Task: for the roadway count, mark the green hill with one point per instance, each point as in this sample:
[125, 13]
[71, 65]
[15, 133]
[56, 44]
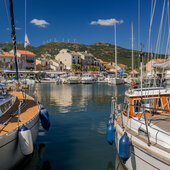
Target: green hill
[100, 50]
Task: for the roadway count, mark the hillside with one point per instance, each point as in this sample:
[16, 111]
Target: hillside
[101, 50]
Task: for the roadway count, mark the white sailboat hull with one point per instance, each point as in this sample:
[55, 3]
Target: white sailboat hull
[116, 81]
[73, 80]
[167, 81]
[141, 159]
[10, 151]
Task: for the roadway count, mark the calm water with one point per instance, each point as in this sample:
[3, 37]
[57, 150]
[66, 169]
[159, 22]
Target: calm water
[76, 139]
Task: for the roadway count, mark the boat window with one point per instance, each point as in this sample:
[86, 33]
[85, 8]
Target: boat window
[148, 103]
[168, 102]
[126, 102]
[6, 105]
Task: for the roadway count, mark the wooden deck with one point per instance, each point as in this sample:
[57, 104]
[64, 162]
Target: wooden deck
[27, 112]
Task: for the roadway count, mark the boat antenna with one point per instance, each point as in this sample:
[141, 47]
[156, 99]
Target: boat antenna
[13, 36]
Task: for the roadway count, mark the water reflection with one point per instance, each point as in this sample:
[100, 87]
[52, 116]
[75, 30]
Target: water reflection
[76, 139]
[34, 162]
[76, 97]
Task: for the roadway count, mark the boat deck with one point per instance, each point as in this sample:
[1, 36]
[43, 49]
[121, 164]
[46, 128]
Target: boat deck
[162, 125]
[145, 140]
[29, 110]
[163, 122]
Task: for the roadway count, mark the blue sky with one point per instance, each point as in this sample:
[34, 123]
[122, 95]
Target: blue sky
[69, 20]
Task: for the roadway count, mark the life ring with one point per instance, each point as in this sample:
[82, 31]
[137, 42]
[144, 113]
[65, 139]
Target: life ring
[133, 85]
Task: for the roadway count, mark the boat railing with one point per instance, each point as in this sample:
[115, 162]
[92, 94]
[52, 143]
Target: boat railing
[119, 109]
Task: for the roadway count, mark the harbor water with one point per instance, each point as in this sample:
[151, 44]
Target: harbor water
[76, 139]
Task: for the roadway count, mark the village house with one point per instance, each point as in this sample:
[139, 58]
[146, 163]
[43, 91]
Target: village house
[85, 59]
[111, 67]
[26, 60]
[6, 61]
[68, 58]
[149, 64]
[122, 68]
[46, 64]
[101, 65]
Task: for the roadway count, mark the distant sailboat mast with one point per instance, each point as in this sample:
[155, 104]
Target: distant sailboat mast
[115, 51]
[132, 50]
[26, 43]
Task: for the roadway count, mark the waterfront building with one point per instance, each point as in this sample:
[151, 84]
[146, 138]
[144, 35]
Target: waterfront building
[102, 65]
[49, 64]
[68, 58]
[122, 67]
[6, 61]
[85, 59]
[149, 67]
[26, 60]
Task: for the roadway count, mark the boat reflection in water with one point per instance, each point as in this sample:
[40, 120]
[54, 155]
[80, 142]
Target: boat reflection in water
[68, 97]
[78, 115]
[36, 161]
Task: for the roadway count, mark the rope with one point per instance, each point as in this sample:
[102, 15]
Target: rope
[7, 14]
[151, 20]
[11, 116]
[160, 31]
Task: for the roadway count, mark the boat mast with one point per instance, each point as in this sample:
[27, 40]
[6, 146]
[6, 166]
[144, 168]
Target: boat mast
[25, 22]
[115, 50]
[13, 36]
[132, 50]
[141, 67]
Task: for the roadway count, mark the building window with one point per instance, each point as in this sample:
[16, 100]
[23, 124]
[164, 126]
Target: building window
[73, 61]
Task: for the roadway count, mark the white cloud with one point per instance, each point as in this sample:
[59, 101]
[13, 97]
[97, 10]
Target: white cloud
[106, 22]
[40, 23]
[16, 28]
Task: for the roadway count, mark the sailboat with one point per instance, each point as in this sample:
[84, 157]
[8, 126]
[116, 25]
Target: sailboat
[132, 78]
[115, 80]
[142, 128]
[20, 115]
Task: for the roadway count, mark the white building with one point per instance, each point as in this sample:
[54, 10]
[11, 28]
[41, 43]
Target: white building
[45, 64]
[68, 58]
[6, 61]
[26, 60]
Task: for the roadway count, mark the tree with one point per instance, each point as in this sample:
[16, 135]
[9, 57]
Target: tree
[94, 68]
[76, 67]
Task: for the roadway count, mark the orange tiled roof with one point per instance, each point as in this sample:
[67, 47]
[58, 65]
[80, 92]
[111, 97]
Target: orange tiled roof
[101, 61]
[158, 60]
[104, 62]
[26, 52]
[6, 54]
[122, 65]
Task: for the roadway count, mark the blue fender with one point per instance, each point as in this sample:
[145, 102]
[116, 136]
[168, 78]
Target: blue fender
[110, 134]
[44, 117]
[124, 148]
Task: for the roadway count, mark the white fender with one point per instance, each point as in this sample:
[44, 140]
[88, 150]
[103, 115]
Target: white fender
[25, 141]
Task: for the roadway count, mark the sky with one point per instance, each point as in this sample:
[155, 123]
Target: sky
[87, 22]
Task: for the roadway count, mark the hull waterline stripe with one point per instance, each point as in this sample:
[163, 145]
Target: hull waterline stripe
[145, 161]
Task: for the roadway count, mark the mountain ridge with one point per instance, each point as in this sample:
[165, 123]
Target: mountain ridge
[100, 50]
